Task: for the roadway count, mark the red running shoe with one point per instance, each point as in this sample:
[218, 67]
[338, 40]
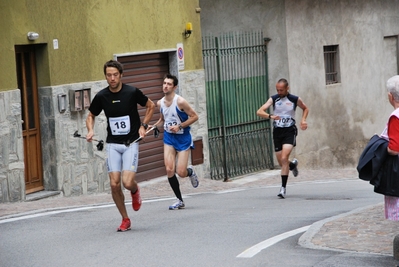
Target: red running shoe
[125, 225]
[136, 199]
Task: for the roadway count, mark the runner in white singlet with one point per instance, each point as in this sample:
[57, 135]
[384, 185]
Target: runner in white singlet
[284, 129]
[176, 117]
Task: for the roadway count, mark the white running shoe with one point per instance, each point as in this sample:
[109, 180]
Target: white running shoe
[193, 177]
[282, 192]
[177, 205]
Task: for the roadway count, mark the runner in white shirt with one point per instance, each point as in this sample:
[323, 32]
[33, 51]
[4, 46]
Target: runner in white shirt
[284, 129]
[176, 116]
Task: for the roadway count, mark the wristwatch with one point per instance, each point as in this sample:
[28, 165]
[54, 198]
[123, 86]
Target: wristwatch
[180, 127]
[144, 125]
[270, 116]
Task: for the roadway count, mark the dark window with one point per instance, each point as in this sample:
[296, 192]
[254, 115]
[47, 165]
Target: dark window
[331, 64]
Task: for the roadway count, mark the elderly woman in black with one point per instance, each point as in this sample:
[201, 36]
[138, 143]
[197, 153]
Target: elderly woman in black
[391, 133]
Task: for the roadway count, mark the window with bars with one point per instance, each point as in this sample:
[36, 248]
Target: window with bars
[331, 64]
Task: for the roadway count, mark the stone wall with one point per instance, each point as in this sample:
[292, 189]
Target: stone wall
[192, 88]
[12, 178]
[71, 165]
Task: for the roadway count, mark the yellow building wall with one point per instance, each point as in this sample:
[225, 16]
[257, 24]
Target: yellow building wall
[90, 32]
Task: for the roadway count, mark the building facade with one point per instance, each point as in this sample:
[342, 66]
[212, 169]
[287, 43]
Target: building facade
[337, 56]
[52, 66]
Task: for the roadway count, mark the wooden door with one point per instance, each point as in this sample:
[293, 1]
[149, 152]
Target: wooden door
[27, 83]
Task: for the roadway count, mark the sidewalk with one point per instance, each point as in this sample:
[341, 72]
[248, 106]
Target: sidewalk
[363, 230]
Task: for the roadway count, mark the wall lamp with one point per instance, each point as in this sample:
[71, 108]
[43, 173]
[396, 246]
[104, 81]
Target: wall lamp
[32, 36]
[189, 29]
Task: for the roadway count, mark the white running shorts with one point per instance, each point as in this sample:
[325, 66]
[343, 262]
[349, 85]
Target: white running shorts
[122, 158]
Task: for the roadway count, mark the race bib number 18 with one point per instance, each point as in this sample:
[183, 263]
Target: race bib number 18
[120, 125]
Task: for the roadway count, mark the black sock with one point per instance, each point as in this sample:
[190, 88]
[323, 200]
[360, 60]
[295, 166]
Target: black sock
[189, 171]
[284, 179]
[174, 183]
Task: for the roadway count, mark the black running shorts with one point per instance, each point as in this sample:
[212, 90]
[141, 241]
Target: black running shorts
[283, 136]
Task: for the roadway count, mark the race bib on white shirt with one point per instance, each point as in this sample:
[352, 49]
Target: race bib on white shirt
[172, 123]
[120, 125]
[284, 121]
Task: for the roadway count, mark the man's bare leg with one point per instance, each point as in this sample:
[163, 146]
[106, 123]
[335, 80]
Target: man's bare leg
[117, 194]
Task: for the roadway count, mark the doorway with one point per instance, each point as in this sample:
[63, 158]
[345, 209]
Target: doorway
[146, 72]
[27, 83]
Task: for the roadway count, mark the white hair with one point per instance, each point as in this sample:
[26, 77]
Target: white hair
[393, 87]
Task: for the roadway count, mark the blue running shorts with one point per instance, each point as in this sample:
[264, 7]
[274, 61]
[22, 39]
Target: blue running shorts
[180, 142]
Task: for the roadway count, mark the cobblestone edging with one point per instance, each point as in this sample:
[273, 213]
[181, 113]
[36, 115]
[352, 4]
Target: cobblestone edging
[362, 230]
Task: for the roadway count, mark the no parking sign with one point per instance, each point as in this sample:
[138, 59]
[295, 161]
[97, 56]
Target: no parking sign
[180, 56]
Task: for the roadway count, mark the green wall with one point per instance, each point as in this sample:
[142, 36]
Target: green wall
[90, 32]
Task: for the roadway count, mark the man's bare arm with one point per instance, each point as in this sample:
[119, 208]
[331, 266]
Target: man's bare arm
[149, 111]
[90, 126]
[302, 105]
[161, 119]
[262, 110]
[148, 115]
[192, 115]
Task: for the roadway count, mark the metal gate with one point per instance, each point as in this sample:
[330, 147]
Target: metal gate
[236, 86]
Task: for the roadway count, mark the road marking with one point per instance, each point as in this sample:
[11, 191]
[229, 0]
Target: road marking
[230, 191]
[252, 251]
[46, 213]
[65, 210]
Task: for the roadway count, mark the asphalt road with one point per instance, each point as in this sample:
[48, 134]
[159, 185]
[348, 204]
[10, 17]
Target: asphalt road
[249, 227]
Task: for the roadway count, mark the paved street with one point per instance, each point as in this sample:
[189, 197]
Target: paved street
[331, 228]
